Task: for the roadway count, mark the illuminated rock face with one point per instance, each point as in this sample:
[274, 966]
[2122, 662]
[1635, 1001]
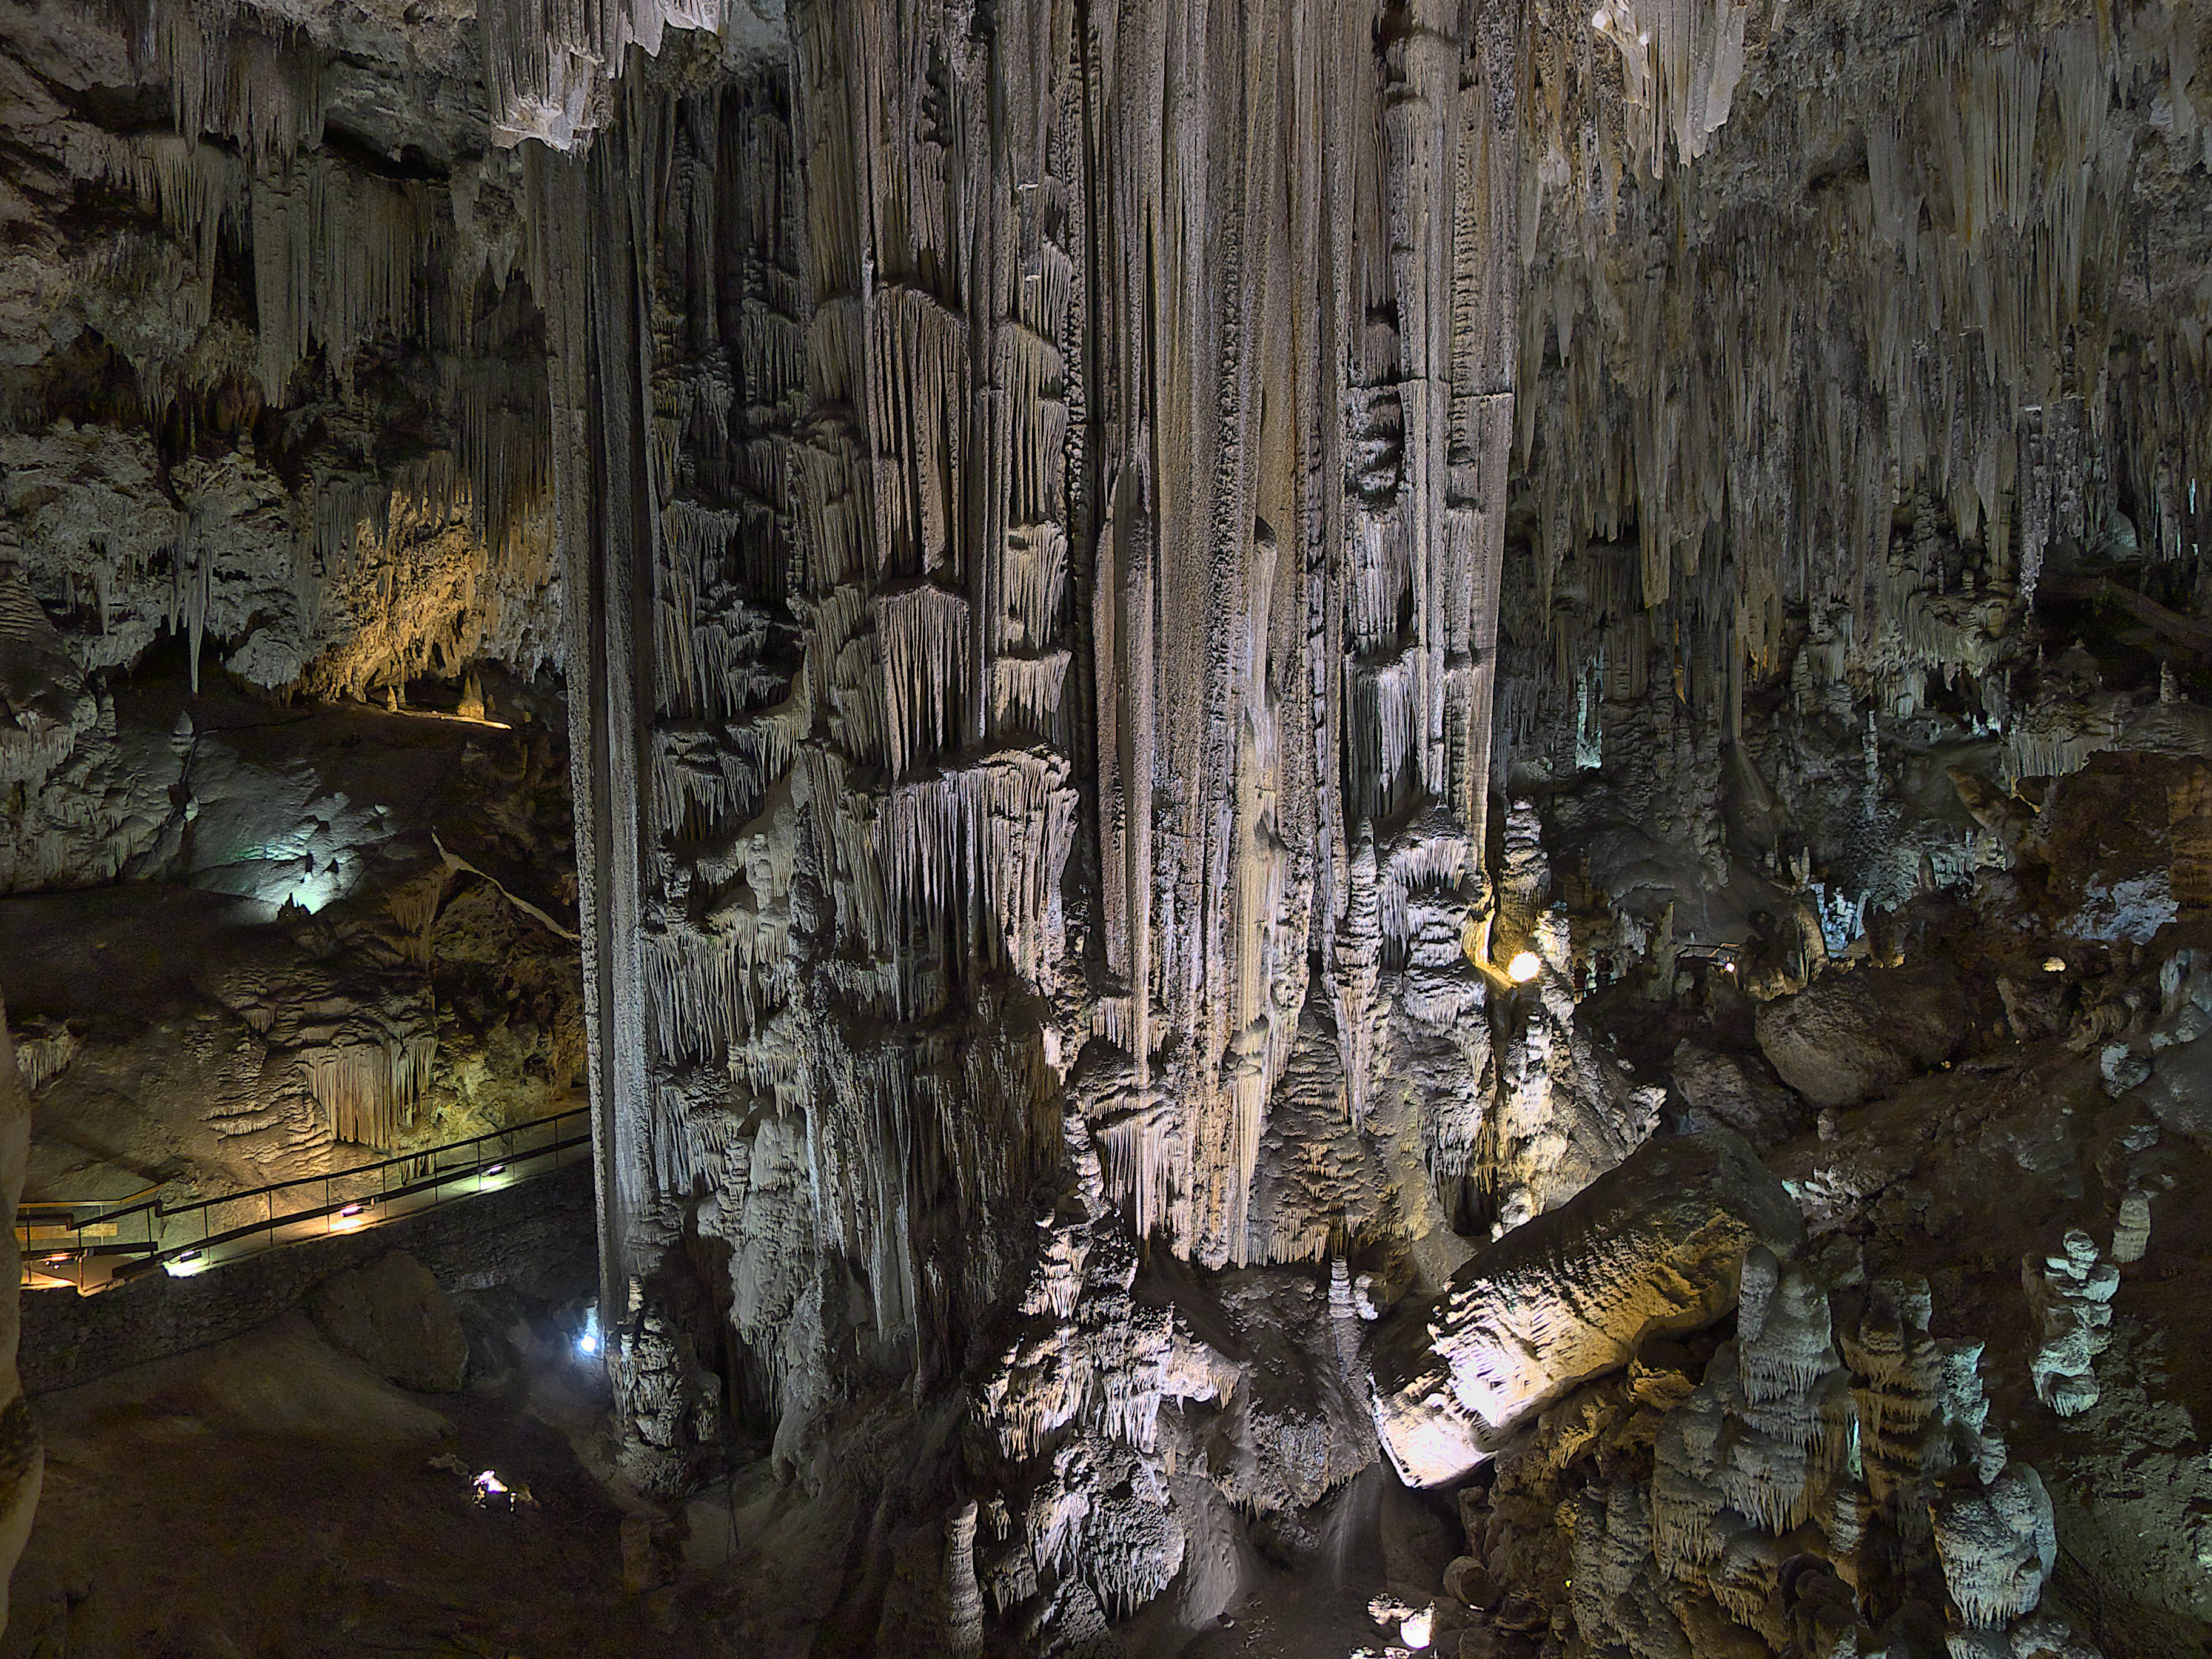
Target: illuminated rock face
[1094, 860]
[1032, 606]
[1651, 1247]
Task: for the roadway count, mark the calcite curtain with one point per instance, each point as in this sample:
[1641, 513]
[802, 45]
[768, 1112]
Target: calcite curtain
[1033, 483]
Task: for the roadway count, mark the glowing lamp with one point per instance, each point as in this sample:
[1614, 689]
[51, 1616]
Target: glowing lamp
[1524, 967]
[1415, 1630]
[495, 1168]
[184, 1264]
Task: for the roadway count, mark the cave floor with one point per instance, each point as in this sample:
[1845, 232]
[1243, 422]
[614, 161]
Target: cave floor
[269, 1498]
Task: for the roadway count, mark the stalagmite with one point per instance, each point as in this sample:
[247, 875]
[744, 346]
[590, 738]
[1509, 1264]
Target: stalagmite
[2069, 1297]
[1241, 681]
[963, 1598]
[2131, 1232]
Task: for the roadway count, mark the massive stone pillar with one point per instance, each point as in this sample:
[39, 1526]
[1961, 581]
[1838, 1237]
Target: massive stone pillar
[1033, 490]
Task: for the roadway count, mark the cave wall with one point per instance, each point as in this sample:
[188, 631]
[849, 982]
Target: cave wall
[1112, 565]
[272, 452]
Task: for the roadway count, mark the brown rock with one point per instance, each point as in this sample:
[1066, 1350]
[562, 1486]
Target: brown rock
[22, 1458]
[1852, 1037]
[393, 1317]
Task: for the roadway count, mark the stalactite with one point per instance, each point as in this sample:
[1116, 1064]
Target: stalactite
[368, 1089]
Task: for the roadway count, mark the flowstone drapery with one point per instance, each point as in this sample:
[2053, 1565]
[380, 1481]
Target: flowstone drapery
[1035, 492]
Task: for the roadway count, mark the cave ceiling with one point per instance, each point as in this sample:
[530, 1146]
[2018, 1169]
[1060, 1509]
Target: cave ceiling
[1415, 780]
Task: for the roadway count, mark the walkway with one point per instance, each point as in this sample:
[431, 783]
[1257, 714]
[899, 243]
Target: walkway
[89, 1247]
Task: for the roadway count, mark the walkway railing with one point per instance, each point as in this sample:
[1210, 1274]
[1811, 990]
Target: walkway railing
[87, 1247]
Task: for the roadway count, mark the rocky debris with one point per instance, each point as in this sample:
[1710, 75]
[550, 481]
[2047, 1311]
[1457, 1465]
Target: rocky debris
[393, 1317]
[1848, 1037]
[1651, 1247]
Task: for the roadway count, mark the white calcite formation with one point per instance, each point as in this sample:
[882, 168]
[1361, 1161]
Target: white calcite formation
[1114, 565]
[1793, 1497]
[2069, 1297]
[2132, 1232]
[1653, 1245]
[988, 718]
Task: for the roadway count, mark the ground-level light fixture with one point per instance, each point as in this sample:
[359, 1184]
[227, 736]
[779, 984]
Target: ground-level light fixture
[186, 1263]
[1524, 967]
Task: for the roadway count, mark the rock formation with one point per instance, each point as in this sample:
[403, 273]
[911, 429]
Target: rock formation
[1288, 773]
[1649, 1248]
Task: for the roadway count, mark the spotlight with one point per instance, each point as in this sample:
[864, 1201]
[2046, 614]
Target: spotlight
[2054, 964]
[352, 1210]
[495, 1168]
[1524, 967]
[1416, 1629]
[184, 1264]
[587, 1340]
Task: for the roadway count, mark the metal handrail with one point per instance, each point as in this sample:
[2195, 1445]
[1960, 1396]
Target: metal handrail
[343, 1191]
[335, 1207]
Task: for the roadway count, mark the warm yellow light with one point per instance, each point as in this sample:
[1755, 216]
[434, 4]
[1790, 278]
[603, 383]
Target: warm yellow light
[2054, 964]
[1524, 967]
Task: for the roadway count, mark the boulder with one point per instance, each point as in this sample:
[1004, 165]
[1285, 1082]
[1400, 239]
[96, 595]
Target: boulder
[1738, 1092]
[2179, 1091]
[1652, 1246]
[393, 1317]
[1851, 1038]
